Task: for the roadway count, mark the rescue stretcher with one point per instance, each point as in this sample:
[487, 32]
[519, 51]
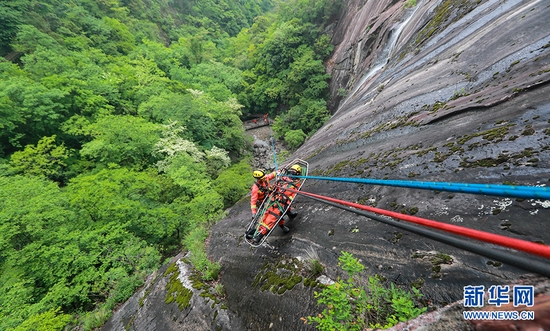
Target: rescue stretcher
[277, 190]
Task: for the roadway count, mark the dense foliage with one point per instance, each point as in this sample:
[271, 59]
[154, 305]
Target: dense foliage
[284, 74]
[121, 138]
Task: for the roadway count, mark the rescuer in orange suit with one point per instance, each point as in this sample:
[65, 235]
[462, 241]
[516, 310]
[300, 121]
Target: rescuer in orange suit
[259, 189]
[278, 204]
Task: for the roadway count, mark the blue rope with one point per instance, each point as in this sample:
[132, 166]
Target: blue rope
[274, 153]
[526, 192]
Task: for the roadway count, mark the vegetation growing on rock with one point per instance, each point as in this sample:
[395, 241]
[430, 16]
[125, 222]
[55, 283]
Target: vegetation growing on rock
[175, 290]
[351, 307]
[279, 277]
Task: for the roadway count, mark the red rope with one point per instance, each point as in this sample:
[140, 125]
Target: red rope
[517, 244]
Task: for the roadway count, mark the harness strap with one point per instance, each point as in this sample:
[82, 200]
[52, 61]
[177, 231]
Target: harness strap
[289, 181]
[264, 188]
[273, 213]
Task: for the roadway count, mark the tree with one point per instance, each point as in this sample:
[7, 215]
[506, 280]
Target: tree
[229, 133]
[31, 212]
[308, 116]
[10, 116]
[10, 18]
[233, 183]
[217, 160]
[307, 76]
[127, 197]
[163, 56]
[33, 111]
[29, 39]
[123, 140]
[318, 12]
[168, 107]
[189, 174]
[46, 159]
[218, 80]
[207, 121]
[29, 208]
[172, 144]
[52, 320]
[16, 296]
[203, 208]
[121, 38]
[285, 68]
[278, 51]
[71, 269]
[87, 88]
[295, 138]
[137, 80]
[88, 98]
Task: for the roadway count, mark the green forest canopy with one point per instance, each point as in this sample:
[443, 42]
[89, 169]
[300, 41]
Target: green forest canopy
[121, 135]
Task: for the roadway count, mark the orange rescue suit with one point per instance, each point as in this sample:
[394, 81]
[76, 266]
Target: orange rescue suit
[259, 189]
[278, 206]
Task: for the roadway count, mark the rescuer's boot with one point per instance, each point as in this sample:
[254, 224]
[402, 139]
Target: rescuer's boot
[285, 228]
[258, 238]
[292, 214]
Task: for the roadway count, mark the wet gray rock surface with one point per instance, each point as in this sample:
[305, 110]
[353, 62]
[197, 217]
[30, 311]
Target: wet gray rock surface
[147, 309]
[263, 146]
[437, 92]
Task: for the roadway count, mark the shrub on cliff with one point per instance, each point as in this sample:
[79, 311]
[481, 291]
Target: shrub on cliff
[351, 307]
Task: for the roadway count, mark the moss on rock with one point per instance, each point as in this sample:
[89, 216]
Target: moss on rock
[175, 291]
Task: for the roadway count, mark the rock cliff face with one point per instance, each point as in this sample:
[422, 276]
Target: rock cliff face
[453, 91]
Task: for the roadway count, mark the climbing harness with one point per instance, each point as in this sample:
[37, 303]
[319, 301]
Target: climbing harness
[264, 186]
